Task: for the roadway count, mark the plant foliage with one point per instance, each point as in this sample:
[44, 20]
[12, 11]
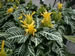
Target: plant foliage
[34, 34]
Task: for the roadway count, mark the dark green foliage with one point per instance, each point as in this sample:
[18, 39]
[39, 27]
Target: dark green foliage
[45, 42]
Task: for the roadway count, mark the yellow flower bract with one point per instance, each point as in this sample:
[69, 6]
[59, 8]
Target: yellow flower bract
[10, 10]
[47, 19]
[24, 24]
[29, 18]
[31, 29]
[2, 52]
[60, 5]
[46, 15]
[28, 23]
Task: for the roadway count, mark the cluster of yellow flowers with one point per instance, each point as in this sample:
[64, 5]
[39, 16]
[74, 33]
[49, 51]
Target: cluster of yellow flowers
[28, 23]
[2, 52]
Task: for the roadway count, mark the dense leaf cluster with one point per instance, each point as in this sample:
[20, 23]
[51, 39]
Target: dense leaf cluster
[46, 41]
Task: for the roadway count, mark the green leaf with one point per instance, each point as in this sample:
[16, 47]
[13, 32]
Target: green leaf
[55, 36]
[20, 51]
[36, 40]
[57, 49]
[3, 34]
[37, 22]
[18, 38]
[23, 39]
[66, 19]
[31, 50]
[15, 31]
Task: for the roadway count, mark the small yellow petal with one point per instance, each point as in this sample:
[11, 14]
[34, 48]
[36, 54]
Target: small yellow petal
[35, 30]
[42, 21]
[2, 48]
[33, 13]
[26, 30]
[32, 22]
[2, 53]
[24, 26]
[21, 21]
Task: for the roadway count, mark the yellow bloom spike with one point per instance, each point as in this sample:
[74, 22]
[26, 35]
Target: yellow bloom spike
[2, 53]
[31, 29]
[10, 10]
[47, 19]
[29, 18]
[46, 15]
[60, 5]
[24, 26]
[2, 47]
[28, 23]
[24, 23]
[33, 13]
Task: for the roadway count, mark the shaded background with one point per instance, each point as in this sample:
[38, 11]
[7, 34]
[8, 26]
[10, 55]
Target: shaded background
[51, 2]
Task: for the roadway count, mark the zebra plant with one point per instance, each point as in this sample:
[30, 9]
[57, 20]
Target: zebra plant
[31, 35]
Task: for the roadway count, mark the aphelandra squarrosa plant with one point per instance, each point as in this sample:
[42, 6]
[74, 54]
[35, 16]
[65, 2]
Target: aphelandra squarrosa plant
[33, 36]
